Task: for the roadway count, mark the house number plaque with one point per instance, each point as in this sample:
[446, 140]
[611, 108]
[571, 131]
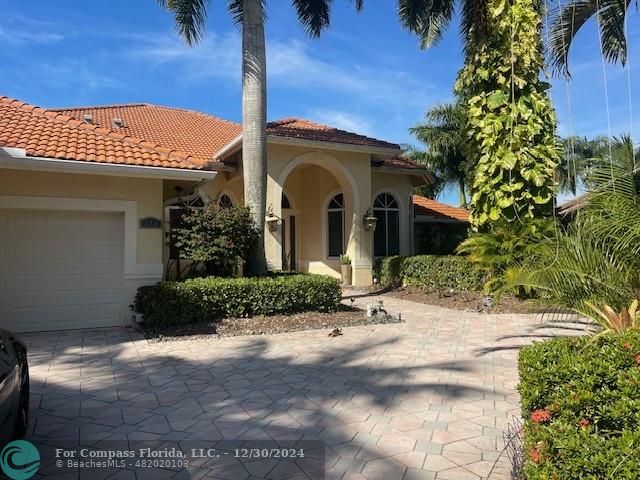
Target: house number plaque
[150, 222]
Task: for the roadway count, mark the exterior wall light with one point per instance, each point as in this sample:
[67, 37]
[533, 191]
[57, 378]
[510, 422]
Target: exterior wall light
[369, 221]
[273, 221]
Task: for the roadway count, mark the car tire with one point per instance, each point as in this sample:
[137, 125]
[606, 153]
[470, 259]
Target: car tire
[22, 420]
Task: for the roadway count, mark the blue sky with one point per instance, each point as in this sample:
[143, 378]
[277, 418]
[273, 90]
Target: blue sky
[365, 74]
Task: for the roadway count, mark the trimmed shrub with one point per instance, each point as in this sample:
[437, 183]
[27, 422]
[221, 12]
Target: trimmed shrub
[214, 298]
[430, 272]
[581, 405]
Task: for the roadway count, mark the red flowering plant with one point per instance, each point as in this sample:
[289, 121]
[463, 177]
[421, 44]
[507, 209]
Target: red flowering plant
[584, 422]
[540, 416]
[535, 455]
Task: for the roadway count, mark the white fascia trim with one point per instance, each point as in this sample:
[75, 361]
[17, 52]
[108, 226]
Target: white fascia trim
[12, 159]
[229, 148]
[236, 144]
[344, 147]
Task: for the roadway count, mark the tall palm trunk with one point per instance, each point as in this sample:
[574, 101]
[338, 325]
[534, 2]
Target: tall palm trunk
[254, 123]
[463, 194]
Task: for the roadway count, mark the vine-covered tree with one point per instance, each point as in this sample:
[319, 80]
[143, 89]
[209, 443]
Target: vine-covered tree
[511, 120]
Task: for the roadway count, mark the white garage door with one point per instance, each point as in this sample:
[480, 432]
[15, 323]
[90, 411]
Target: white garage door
[60, 270]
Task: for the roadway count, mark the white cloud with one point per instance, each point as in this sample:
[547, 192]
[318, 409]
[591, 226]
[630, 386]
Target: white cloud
[215, 56]
[342, 120]
[290, 64]
[75, 73]
[19, 30]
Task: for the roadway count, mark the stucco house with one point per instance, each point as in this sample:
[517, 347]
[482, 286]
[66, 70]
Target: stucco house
[86, 195]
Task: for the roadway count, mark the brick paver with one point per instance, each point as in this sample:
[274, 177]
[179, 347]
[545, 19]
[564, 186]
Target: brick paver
[424, 399]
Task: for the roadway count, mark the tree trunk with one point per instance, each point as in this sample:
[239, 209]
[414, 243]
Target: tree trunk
[463, 195]
[254, 123]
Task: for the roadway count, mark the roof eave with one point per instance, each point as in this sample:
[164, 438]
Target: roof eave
[345, 147]
[17, 159]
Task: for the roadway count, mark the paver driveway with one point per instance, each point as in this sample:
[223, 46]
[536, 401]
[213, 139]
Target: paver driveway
[424, 399]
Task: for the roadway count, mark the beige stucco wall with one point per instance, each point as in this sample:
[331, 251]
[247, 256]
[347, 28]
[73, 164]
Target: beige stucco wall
[309, 177]
[142, 197]
[321, 174]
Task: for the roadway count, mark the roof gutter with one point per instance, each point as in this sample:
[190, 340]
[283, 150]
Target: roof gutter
[16, 158]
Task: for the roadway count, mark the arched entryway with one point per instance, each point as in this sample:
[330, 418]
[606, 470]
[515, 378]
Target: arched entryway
[318, 212]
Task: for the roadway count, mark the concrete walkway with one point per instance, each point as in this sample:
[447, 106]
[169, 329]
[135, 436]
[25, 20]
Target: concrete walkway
[425, 399]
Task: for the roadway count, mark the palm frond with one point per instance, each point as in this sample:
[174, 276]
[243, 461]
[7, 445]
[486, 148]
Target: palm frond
[566, 20]
[428, 19]
[474, 22]
[190, 17]
[236, 9]
[314, 15]
[612, 20]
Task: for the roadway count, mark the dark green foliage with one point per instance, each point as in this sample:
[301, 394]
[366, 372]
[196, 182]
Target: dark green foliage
[430, 272]
[439, 238]
[591, 389]
[506, 244]
[216, 237]
[213, 298]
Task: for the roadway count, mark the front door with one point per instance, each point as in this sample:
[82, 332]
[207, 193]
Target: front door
[289, 242]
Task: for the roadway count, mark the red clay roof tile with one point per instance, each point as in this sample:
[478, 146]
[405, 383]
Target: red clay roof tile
[308, 130]
[431, 208]
[55, 135]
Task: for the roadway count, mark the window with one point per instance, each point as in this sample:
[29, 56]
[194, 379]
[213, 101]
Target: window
[285, 203]
[386, 238]
[225, 201]
[335, 226]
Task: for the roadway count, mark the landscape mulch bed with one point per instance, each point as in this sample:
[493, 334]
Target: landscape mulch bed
[262, 325]
[466, 301]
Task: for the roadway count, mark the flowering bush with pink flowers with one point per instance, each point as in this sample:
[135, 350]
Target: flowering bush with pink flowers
[580, 402]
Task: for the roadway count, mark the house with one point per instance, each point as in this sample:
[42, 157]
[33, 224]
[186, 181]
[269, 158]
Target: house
[86, 196]
[438, 228]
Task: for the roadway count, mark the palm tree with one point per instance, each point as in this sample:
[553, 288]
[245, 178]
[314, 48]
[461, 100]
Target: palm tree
[314, 15]
[430, 19]
[190, 18]
[579, 155]
[569, 18]
[443, 132]
[596, 262]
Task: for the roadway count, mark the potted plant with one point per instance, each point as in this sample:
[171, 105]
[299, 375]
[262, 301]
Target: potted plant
[345, 268]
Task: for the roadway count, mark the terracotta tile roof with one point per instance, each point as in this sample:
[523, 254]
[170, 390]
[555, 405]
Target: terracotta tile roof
[198, 134]
[308, 130]
[46, 133]
[440, 211]
[400, 162]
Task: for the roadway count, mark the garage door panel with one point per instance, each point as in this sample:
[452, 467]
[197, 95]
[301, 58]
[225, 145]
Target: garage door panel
[62, 269]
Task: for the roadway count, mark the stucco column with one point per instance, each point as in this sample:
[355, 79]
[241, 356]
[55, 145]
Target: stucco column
[273, 239]
[361, 241]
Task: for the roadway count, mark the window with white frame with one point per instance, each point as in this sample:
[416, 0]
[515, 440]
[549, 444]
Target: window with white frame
[386, 238]
[335, 226]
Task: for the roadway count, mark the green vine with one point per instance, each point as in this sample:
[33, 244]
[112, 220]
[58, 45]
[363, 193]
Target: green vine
[511, 121]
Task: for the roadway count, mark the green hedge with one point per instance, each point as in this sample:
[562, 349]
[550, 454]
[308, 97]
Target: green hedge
[586, 397]
[430, 272]
[212, 298]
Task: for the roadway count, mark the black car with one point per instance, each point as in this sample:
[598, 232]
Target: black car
[14, 387]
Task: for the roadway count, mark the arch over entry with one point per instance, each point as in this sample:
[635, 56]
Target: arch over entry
[328, 162]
